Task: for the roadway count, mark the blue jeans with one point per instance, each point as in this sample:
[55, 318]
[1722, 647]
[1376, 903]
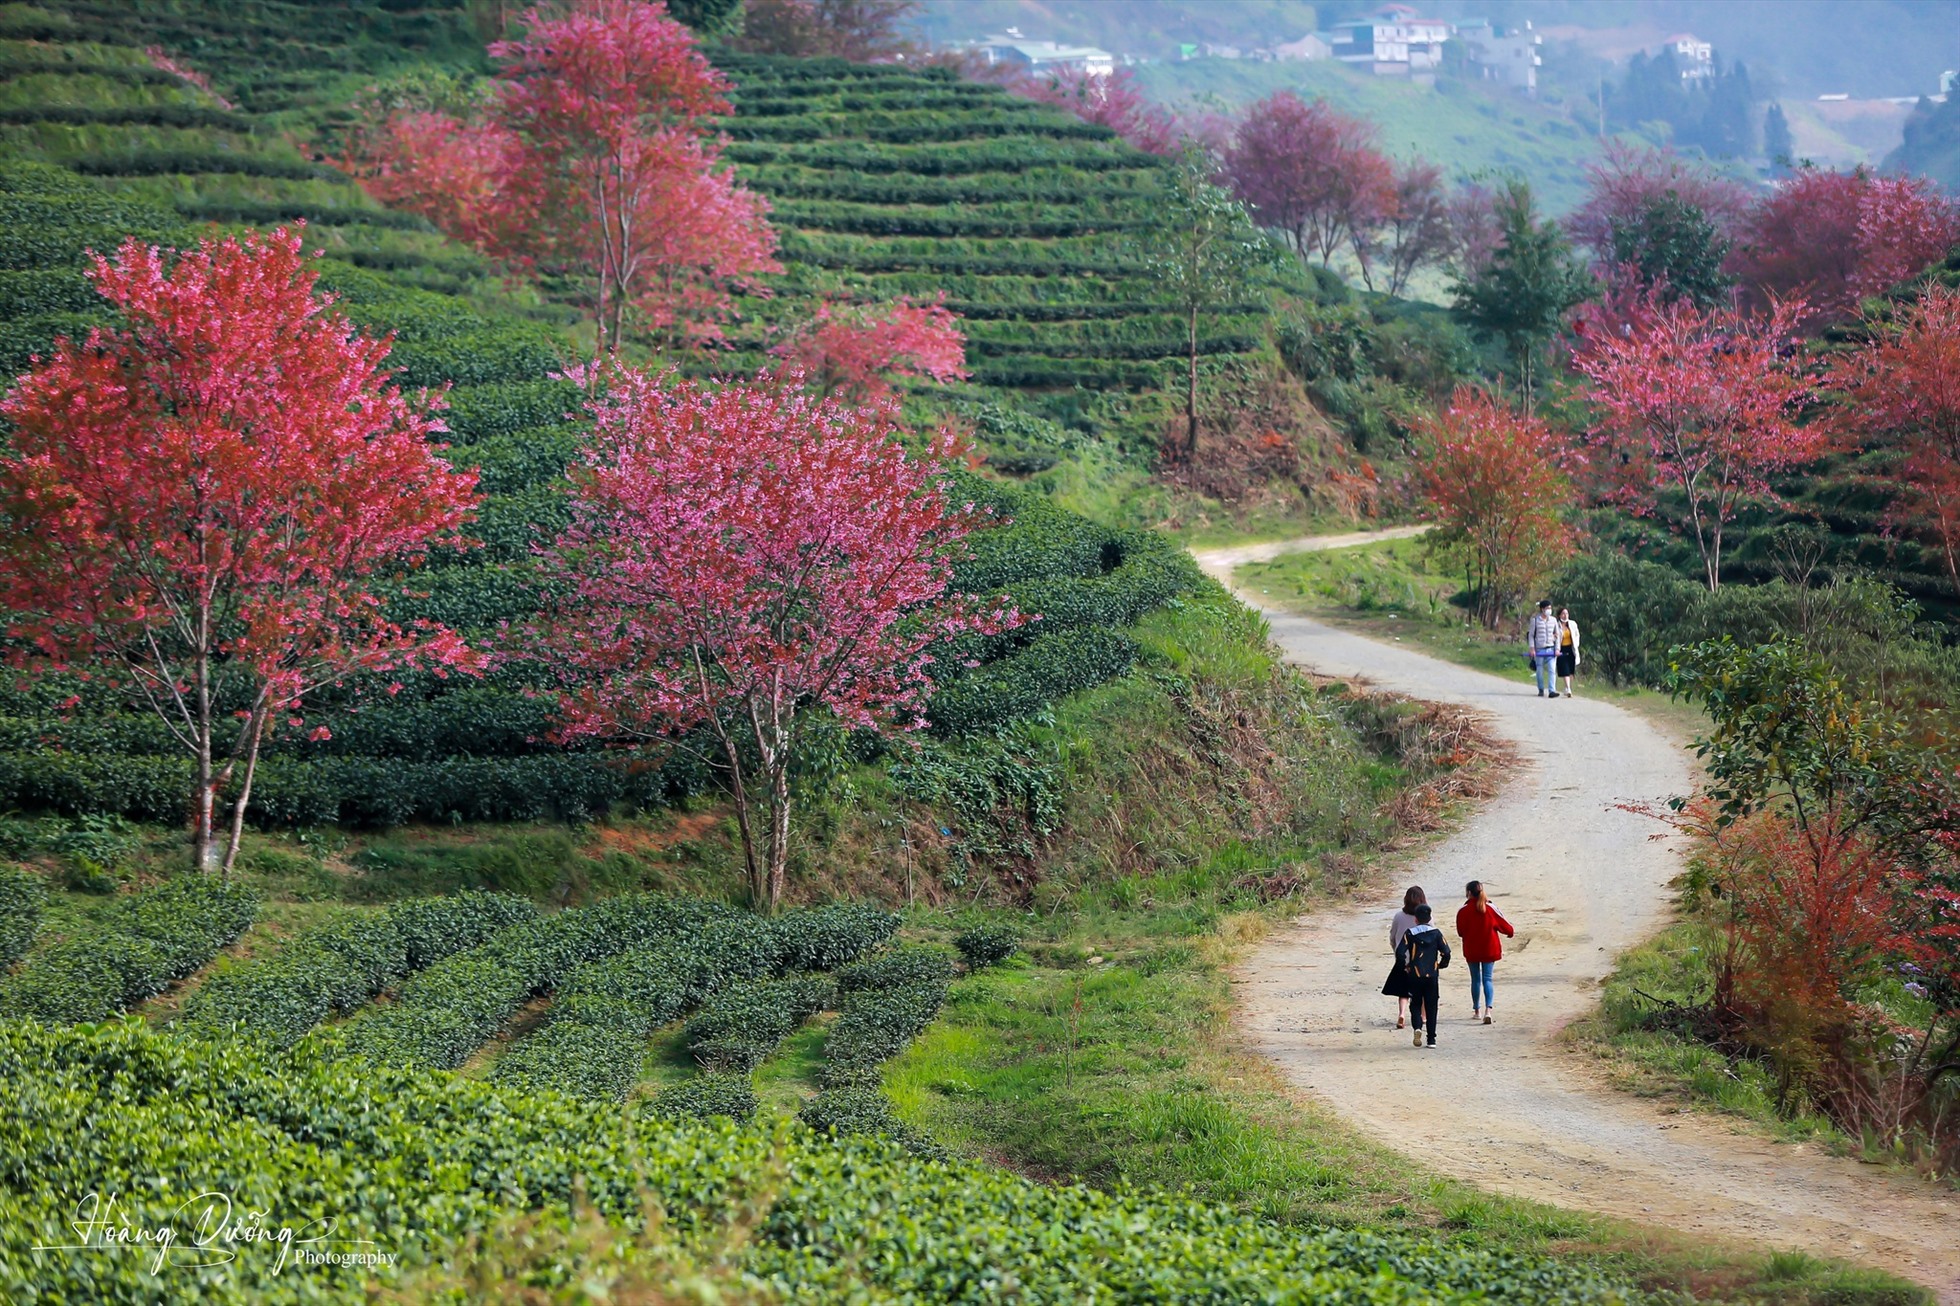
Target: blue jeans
[1544, 665]
[1482, 973]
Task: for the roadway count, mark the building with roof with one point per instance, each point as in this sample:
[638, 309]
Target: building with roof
[1395, 41]
[1046, 56]
[1511, 58]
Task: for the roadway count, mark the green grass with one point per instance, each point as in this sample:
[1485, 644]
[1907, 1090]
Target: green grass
[1463, 127]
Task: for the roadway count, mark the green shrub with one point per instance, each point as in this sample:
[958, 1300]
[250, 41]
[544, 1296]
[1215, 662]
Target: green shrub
[1050, 668]
[824, 938]
[741, 1027]
[131, 950]
[345, 963]
[705, 1097]
[22, 895]
[1631, 613]
[987, 945]
[864, 1112]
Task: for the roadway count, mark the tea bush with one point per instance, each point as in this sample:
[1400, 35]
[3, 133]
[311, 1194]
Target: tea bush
[987, 945]
[22, 895]
[344, 964]
[131, 950]
[704, 1097]
[739, 1029]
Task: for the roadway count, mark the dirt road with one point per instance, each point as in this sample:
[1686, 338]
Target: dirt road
[1506, 1106]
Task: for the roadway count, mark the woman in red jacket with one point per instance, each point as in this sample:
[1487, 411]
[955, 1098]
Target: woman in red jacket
[1478, 924]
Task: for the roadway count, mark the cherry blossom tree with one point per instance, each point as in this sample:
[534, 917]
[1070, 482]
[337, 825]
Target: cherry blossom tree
[742, 558]
[1625, 180]
[1904, 385]
[1495, 485]
[1309, 171]
[210, 505]
[1112, 100]
[593, 157]
[1706, 403]
[853, 351]
[1905, 225]
[1413, 234]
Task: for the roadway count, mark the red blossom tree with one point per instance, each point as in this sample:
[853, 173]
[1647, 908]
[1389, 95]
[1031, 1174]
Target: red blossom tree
[1834, 237]
[1706, 403]
[739, 556]
[1626, 179]
[1112, 100]
[853, 352]
[593, 157]
[210, 504]
[1905, 386]
[1495, 485]
[1413, 233]
[1904, 227]
[1475, 228]
[1310, 172]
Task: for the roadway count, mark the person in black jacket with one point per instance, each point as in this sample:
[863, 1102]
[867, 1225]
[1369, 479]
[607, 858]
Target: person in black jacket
[1423, 955]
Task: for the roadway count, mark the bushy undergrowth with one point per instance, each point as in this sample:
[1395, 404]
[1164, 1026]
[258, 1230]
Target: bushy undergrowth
[22, 895]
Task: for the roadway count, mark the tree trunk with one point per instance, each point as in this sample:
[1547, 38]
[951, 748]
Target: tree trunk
[778, 833]
[1191, 396]
[257, 727]
[204, 844]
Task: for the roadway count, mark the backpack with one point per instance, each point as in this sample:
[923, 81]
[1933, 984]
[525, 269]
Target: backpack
[1425, 953]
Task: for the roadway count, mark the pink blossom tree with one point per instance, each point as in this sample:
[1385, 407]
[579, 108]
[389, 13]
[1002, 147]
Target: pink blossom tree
[211, 504]
[853, 351]
[594, 158]
[1704, 402]
[1112, 100]
[742, 558]
[1309, 171]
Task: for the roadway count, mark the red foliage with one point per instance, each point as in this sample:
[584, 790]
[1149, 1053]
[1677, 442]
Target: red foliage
[1309, 171]
[1701, 403]
[1904, 227]
[852, 352]
[213, 499]
[1905, 386]
[1494, 484]
[739, 554]
[594, 158]
[1628, 178]
[1112, 100]
[1413, 233]
[1475, 232]
[1832, 237]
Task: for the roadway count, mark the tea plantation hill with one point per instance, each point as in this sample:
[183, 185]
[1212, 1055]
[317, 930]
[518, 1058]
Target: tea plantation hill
[97, 145]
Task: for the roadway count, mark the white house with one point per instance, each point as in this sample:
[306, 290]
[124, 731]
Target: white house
[1047, 56]
[1393, 42]
[1512, 58]
[1310, 46]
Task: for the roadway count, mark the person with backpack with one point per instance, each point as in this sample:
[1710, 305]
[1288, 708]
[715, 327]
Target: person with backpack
[1423, 956]
[1397, 985]
[1478, 924]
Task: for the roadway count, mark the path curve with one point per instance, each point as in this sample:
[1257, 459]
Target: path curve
[1508, 1107]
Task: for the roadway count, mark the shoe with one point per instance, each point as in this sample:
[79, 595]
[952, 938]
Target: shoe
[1541, 693]
[1553, 694]
[1418, 1038]
[1431, 1043]
[1400, 1023]
[1475, 1012]
[1486, 1020]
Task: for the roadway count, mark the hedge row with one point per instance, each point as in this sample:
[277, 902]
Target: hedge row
[344, 964]
[447, 1012]
[1024, 684]
[948, 129]
[131, 950]
[1095, 189]
[596, 1038]
[350, 790]
[138, 73]
[417, 1162]
[704, 1097]
[943, 159]
[159, 163]
[740, 1028]
[129, 115]
[959, 96]
[22, 895]
[274, 214]
[886, 1002]
[871, 222]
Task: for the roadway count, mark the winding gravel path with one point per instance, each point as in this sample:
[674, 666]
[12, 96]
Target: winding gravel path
[1508, 1107]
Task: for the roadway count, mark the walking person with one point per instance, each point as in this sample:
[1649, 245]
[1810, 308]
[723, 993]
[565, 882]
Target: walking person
[1478, 924]
[1568, 649]
[1541, 646]
[1423, 956]
[1397, 984]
